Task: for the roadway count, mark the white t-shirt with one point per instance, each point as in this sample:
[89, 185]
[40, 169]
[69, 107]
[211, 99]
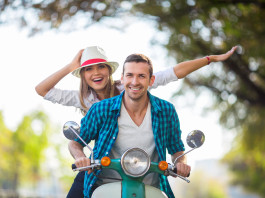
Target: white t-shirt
[71, 97]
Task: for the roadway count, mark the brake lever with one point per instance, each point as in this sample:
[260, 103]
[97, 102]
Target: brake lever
[74, 168]
[174, 169]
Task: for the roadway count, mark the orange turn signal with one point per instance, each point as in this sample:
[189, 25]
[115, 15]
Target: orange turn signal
[163, 165]
[105, 161]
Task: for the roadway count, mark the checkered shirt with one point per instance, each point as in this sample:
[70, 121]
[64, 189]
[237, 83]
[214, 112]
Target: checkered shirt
[101, 124]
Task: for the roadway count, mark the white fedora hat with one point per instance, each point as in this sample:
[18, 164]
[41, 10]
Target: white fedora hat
[94, 55]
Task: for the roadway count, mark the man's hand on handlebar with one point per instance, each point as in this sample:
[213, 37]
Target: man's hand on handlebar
[183, 169]
[82, 162]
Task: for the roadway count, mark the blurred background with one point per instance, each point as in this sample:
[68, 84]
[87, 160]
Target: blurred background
[225, 100]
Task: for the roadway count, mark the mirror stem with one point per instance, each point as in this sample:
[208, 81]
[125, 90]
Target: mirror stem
[92, 154]
[175, 161]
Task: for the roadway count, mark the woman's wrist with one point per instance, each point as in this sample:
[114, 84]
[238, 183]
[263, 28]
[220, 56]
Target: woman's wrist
[71, 67]
[212, 58]
[208, 59]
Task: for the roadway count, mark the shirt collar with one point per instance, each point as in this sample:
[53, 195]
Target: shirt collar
[155, 106]
[117, 103]
[92, 97]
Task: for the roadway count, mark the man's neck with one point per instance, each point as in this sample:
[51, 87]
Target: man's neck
[136, 108]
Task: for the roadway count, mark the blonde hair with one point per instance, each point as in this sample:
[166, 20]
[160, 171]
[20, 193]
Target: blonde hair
[85, 89]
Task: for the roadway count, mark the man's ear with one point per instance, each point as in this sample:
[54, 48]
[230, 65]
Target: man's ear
[152, 80]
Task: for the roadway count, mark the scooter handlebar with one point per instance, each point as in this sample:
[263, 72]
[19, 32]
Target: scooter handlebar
[73, 166]
[174, 169]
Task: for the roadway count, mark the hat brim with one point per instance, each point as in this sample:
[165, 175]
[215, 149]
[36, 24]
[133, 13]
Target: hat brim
[113, 66]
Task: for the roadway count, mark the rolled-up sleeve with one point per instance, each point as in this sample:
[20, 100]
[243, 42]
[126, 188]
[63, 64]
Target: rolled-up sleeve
[174, 142]
[89, 126]
[64, 97]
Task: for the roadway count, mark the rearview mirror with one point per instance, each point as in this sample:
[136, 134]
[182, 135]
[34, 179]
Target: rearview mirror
[68, 128]
[195, 139]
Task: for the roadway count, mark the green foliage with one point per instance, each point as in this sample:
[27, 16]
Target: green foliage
[247, 157]
[215, 190]
[64, 172]
[22, 150]
[24, 153]
[5, 149]
[45, 15]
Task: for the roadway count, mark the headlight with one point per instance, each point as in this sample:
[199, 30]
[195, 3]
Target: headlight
[135, 162]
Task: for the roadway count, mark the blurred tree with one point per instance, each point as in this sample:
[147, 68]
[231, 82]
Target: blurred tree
[45, 15]
[5, 150]
[22, 150]
[193, 28]
[24, 154]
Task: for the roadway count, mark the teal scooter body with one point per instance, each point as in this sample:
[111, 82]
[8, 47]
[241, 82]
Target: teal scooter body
[133, 166]
[129, 187]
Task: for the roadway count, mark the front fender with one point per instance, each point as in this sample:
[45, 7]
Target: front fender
[114, 190]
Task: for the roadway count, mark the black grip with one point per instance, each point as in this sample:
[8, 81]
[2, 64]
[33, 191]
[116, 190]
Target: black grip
[73, 166]
[175, 171]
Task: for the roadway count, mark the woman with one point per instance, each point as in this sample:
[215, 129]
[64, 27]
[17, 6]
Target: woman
[95, 72]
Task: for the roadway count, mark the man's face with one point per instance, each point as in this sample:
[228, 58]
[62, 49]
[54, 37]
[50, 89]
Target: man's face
[136, 79]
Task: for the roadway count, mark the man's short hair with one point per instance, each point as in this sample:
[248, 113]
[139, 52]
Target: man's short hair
[139, 58]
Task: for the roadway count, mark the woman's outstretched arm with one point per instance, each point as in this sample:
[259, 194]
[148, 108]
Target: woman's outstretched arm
[184, 68]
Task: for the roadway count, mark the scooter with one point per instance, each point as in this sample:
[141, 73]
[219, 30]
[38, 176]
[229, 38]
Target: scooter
[133, 166]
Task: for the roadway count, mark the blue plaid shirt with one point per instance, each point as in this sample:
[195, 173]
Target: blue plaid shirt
[101, 124]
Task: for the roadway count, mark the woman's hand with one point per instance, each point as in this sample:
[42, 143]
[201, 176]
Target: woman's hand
[222, 57]
[47, 84]
[75, 63]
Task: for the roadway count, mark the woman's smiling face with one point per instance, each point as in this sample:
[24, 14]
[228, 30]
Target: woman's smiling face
[97, 76]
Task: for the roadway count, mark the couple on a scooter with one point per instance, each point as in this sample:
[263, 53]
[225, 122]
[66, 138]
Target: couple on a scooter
[134, 118]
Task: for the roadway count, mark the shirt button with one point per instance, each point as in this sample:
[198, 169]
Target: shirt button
[113, 138]
[107, 153]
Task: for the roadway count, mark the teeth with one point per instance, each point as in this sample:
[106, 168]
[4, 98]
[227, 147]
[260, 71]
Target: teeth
[135, 89]
[97, 79]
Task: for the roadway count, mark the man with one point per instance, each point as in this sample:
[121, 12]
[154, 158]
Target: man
[133, 119]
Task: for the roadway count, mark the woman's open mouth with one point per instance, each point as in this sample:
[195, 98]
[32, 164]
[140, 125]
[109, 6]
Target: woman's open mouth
[97, 80]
